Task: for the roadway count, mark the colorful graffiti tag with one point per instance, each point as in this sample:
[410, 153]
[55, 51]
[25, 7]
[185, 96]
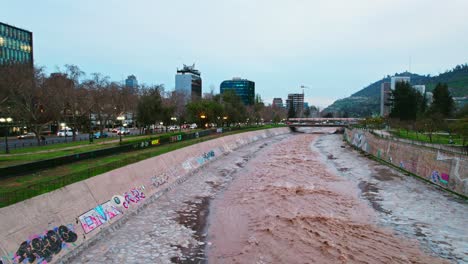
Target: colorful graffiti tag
[133, 196]
[205, 157]
[98, 216]
[175, 138]
[44, 246]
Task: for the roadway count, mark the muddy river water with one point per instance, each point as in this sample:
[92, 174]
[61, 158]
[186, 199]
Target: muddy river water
[295, 198]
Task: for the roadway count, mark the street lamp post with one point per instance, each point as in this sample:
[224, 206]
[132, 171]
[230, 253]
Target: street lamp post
[91, 136]
[121, 119]
[202, 118]
[6, 121]
[225, 120]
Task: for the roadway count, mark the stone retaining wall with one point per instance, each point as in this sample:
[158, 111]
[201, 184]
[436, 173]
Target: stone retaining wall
[446, 169]
[44, 228]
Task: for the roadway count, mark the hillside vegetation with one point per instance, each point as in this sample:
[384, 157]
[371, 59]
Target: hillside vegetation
[366, 102]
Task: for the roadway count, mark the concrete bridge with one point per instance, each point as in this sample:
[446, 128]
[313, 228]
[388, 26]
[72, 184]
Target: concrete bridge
[322, 122]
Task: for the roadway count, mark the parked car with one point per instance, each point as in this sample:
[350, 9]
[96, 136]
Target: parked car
[123, 131]
[193, 126]
[27, 135]
[99, 135]
[66, 132]
[115, 130]
[173, 128]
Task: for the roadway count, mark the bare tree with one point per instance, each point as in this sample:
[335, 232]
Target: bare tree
[29, 99]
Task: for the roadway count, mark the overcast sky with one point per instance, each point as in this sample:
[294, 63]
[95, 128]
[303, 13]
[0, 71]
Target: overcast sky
[333, 47]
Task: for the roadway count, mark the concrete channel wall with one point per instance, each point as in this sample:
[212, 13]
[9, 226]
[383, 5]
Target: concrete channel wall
[45, 228]
[447, 169]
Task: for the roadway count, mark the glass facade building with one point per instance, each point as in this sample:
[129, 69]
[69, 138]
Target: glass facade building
[188, 82]
[245, 89]
[131, 82]
[16, 45]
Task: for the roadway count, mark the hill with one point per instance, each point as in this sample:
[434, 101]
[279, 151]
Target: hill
[366, 102]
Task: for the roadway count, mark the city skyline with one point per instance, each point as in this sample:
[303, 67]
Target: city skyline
[334, 48]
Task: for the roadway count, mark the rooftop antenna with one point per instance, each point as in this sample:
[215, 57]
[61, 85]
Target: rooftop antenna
[304, 87]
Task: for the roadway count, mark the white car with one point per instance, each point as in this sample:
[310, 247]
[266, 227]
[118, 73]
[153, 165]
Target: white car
[66, 133]
[193, 126]
[173, 128]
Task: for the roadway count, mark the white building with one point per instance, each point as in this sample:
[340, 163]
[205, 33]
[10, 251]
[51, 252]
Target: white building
[396, 79]
[420, 88]
[188, 82]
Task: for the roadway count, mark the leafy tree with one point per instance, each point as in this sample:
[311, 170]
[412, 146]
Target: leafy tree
[442, 101]
[150, 109]
[234, 109]
[211, 109]
[460, 127]
[406, 102]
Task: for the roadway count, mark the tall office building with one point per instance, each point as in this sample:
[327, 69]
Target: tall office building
[278, 102]
[385, 95]
[131, 82]
[188, 82]
[16, 45]
[396, 79]
[243, 88]
[296, 101]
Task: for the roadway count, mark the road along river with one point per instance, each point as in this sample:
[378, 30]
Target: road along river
[295, 198]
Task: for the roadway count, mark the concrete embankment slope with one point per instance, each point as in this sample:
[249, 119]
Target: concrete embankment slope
[447, 170]
[44, 228]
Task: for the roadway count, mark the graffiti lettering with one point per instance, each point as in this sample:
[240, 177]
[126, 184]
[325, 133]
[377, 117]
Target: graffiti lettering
[134, 196]
[98, 216]
[43, 247]
[159, 180]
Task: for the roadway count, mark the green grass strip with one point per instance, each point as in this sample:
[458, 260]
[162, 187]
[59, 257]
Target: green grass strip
[16, 189]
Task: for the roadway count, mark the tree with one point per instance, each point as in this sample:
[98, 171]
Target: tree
[460, 127]
[29, 100]
[149, 109]
[406, 102]
[442, 101]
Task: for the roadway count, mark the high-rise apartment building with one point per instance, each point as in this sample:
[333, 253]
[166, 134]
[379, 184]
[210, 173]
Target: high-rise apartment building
[385, 95]
[131, 82]
[296, 101]
[278, 102]
[188, 82]
[243, 88]
[16, 45]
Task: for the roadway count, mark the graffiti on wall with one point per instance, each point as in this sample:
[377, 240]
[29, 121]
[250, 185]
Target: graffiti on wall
[135, 195]
[43, 247]
[205, 157]
[159, 180]
[98, 216]
[437, 177]
[360, 141]
[175, 138]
